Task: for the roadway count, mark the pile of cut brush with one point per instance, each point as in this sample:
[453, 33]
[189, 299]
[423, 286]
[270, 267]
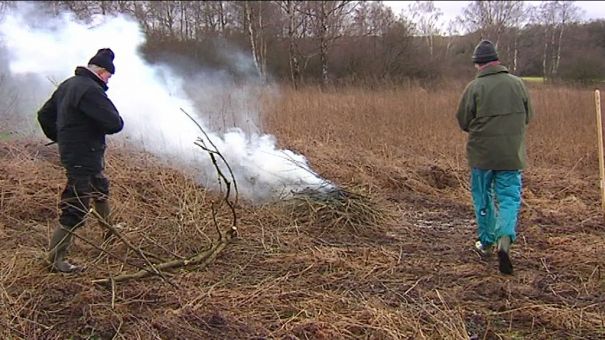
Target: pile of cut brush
[336, 210]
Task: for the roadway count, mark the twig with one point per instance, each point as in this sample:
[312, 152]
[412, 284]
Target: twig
[212, 152]
[129, 245]
[118, 331]
[222, 176]
[412, 287]
[524, 307]
[100, 248]
[113, 293]
[14, 329]
[52, 81]
[202, 259]
[161, 247]
[218, 230]
[202, 145]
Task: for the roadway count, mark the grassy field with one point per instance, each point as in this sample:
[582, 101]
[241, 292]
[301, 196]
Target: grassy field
[533, 79]
[414, 123]
[393, 260]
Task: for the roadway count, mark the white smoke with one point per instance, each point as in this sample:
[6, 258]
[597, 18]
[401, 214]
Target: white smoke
[150, 99]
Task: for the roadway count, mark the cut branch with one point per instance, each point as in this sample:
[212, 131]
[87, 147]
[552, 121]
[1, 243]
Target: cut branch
[202, 259]
[151, 266]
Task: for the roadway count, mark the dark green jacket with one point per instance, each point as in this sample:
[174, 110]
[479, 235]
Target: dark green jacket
[495, 110]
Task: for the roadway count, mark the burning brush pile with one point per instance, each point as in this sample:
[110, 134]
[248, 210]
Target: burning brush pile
[319, 203]
[336, 209]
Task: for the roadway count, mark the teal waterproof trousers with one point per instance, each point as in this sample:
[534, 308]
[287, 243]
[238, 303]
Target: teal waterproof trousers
[497, 199]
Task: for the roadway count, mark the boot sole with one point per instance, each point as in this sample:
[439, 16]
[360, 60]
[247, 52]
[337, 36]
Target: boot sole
[72, 269]
[483, 254]
[504, 263]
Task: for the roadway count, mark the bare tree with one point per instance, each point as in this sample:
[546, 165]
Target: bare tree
[255, 27]
[568, 13]
[555, 16]
[425, 17]
[491, 18]
[372, 19]
[4, 6]
[453, 28]
[397, 48]
[296, 30]
[212, 16]
[375, 41]
[352, 39]
[329, 21]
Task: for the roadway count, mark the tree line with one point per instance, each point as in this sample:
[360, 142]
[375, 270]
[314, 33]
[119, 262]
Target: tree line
[307, 42]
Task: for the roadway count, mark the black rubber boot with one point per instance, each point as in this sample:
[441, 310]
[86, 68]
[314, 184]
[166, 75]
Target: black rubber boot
[504, 263]
[59, 244]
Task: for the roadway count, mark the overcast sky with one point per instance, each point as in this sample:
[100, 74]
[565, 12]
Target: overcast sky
[451, 9]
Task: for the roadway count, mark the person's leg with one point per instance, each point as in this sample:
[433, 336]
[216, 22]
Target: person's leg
[74, 206]
[508, 187]
[483, 200]
[100, 185]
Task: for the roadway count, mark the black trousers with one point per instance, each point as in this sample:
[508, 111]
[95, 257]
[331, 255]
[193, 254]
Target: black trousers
[76, 197]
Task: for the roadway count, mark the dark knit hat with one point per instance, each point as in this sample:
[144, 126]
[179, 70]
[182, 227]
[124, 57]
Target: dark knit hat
[104, 59]
[485, 52]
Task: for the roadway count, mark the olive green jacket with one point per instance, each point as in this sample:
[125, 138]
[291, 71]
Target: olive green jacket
[495, 110]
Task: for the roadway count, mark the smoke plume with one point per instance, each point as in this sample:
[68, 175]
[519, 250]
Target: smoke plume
[40, 52]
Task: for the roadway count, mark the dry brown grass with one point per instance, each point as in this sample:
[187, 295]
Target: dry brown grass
[392, 261]
[420, 123]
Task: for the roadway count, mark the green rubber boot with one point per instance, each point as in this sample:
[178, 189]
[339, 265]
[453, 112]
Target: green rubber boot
[104, 211]
[59, 244]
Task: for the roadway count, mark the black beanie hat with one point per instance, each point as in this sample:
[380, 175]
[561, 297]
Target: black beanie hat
[104, 59]
[485, 52]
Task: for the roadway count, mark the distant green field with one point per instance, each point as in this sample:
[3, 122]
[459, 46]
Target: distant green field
[541, 80]
[533, 79]
[4, 135]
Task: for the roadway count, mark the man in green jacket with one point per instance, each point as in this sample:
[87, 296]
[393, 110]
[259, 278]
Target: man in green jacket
[495, 110]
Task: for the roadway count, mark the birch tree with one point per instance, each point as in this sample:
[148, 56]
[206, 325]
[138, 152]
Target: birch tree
[255, 27]
[555, 16]
[498, 21]
[329, 21]
[491, 18]
[425, 17]
[296, 30]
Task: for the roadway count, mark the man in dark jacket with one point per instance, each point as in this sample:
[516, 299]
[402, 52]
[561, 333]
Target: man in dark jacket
[495, 110]
[77, 116]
